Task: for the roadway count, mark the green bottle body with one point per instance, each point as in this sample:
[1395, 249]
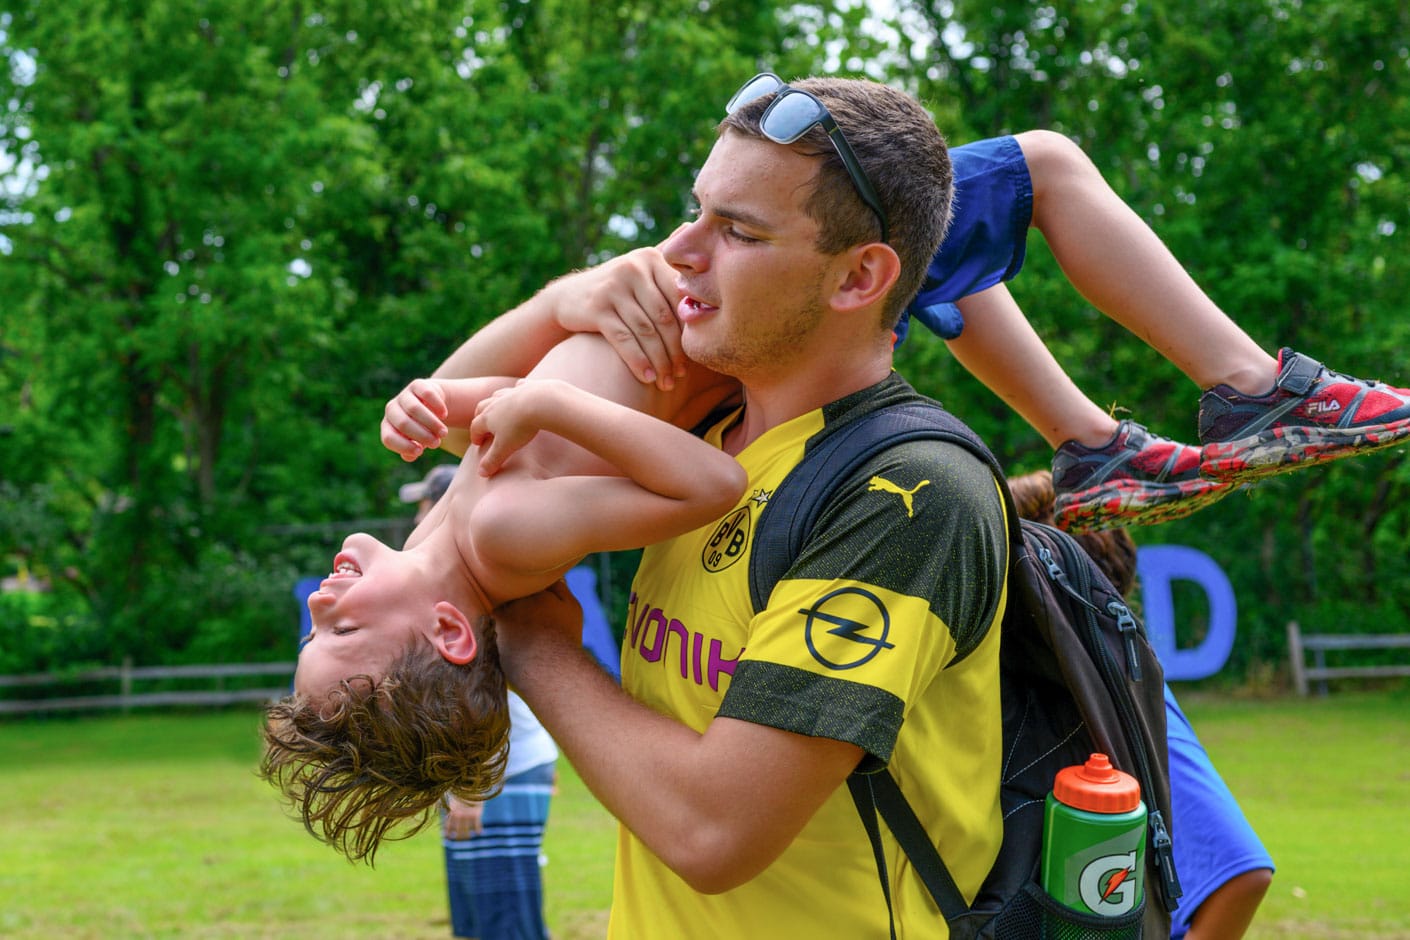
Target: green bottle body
[1094, 862]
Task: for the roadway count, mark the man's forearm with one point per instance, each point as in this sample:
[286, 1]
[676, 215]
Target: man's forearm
[717, 807]
[630, 300]
[511, 344]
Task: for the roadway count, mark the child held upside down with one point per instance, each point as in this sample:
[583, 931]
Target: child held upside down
[398, 698]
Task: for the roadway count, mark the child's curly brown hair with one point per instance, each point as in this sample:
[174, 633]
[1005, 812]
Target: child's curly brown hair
[377, 753]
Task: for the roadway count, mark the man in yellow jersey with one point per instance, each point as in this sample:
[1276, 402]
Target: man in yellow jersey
[725, 753]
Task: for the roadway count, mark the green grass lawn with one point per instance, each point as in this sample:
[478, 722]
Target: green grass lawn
[1326, 784]
[154, 825]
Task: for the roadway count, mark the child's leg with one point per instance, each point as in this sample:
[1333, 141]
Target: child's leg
[999, 347]
[1259, 415]
[1123, 268]
[1106, 472]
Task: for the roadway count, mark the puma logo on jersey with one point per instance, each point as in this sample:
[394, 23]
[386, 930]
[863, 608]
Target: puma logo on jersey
[883, 485]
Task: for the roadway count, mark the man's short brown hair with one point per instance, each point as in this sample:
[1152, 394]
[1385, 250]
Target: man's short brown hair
[905, 158]
[380, 752]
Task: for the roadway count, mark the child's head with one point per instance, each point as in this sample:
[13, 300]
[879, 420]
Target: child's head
[398, 699]
[371, 607]
[1113, 549]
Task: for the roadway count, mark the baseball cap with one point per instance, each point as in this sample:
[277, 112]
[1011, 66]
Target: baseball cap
[432, 486]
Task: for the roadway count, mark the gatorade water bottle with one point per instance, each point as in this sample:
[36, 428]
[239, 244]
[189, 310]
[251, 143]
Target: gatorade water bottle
[1094, 839]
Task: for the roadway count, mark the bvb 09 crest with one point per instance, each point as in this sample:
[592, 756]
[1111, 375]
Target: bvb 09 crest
[726, 546]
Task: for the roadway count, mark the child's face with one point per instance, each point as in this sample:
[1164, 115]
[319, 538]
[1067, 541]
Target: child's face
[364, 614]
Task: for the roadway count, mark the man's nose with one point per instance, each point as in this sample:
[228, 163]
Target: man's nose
[683, 250]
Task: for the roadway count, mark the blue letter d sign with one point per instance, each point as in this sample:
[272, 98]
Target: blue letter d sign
[1157, 566]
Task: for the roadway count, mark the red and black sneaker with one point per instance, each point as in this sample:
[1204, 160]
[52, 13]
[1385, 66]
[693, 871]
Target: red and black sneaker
[1312, 415]
[1136, 478]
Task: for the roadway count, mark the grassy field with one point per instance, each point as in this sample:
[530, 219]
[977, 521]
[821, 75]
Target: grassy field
[155, 826]
[1326, 784]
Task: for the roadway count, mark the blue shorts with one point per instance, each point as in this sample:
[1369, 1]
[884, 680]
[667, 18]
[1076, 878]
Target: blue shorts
[987, 237]
[1213, 840]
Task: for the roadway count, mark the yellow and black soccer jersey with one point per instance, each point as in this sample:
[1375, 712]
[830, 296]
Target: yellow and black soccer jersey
[883, 633]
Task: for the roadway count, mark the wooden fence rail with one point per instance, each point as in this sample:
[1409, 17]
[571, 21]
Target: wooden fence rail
[1318, 644]
[127, 675]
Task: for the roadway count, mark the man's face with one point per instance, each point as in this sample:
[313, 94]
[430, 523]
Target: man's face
[364, 614]
[751, 280]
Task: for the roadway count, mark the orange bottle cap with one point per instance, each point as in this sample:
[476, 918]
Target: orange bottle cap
[1097, 787]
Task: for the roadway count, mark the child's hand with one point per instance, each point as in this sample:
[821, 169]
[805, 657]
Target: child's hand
[414, 421]
[506, 421]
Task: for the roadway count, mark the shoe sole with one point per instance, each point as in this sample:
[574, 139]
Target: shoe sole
[1284, 449]
[1127, 502]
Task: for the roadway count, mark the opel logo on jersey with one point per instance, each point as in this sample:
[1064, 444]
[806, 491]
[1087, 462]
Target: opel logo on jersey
[728, 542]
[846, 628]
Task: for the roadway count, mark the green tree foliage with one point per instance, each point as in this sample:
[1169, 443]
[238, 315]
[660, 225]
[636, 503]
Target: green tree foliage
[1265, 141]
[231, 231]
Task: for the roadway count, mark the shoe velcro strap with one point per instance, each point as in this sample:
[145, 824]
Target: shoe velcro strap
[1299, 374]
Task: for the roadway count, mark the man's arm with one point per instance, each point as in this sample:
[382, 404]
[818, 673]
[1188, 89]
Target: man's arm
[717, 807]
[631, 300]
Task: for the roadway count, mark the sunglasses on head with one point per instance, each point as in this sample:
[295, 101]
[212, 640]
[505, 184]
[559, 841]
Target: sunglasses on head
[791, 114]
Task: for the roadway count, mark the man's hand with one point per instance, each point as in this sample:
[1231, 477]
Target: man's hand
[540, 623]
[415, 420]
[630, 300]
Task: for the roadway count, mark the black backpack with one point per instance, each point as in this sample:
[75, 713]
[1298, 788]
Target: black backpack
[1077, 676]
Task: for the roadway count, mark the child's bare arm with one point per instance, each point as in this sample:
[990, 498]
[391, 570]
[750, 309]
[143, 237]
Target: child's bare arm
[424, 413]
[671, 481]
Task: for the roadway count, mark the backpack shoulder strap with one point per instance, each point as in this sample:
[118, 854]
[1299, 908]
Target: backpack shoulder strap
[795, 505]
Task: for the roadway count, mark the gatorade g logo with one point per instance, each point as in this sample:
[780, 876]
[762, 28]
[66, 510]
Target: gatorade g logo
[1108, 884]
[726, 546]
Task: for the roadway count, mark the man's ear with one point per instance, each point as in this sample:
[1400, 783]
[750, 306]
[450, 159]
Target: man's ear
[454, 635]
[868, 274]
